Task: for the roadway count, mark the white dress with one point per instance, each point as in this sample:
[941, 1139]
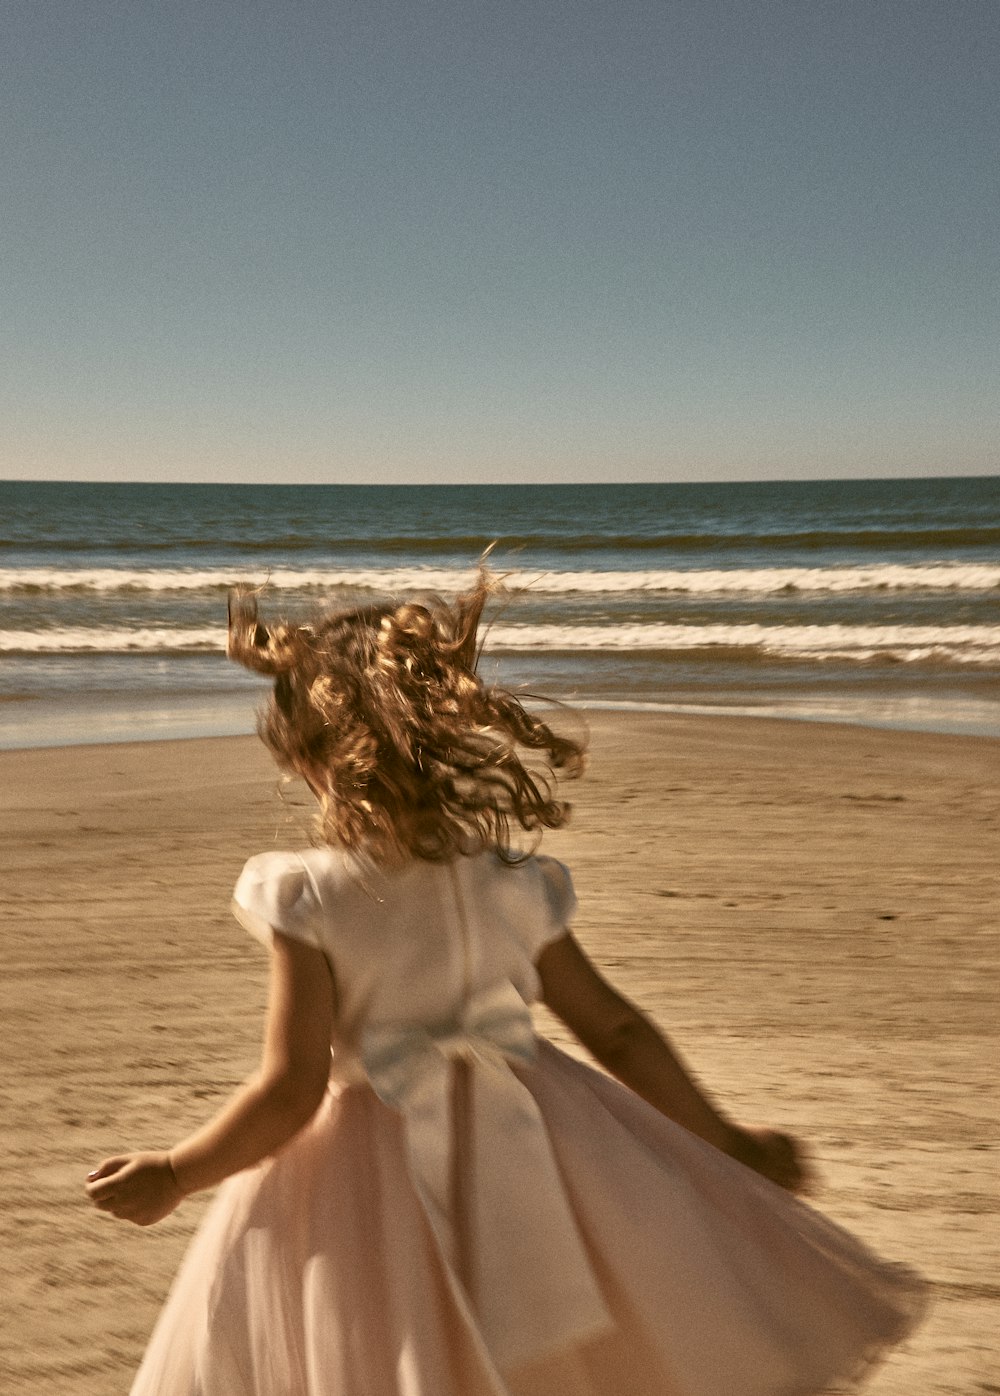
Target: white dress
[472, 1212]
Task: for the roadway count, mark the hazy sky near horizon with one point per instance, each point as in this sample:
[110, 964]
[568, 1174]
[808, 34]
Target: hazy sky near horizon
[556, 240]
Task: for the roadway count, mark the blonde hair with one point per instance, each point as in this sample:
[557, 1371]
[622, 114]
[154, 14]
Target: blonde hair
[383, 711]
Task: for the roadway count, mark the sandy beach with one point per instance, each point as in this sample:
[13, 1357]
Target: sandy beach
[809, 910]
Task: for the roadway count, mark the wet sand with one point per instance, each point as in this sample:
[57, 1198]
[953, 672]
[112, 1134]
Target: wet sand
[809, 910]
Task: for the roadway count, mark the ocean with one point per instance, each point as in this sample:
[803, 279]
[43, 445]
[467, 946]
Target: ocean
[871, 602]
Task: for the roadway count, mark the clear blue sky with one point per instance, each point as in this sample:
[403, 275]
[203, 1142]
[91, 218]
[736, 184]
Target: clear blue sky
[552, 239]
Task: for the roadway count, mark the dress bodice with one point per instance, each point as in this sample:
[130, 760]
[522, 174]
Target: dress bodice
[409, 945]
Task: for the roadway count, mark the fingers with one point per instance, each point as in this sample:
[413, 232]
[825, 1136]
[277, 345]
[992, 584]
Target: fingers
[120, 1208]
[103, 1182]
[107, 1203]
[791, 1165]
[117, 1200]
[778, 1157]
[109, 1166]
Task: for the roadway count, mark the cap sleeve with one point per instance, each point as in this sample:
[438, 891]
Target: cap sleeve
[276, 892]
[558, 903]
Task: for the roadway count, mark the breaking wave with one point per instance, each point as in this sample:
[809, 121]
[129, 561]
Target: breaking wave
[955, 644]
[746, 581]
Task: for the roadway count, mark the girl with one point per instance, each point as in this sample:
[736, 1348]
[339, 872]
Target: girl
[450, 1206]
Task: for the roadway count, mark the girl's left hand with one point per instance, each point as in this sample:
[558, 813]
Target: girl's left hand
[139, 1188]
[773, 1155]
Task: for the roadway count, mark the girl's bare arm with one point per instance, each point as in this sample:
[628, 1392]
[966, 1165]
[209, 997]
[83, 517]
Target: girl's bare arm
[265, 1113]
[634, 1051]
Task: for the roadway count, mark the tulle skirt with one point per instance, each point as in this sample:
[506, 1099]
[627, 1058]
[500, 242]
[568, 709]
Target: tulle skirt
[318, 1274]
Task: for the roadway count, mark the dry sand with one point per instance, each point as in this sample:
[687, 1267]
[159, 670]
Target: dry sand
[809, 910]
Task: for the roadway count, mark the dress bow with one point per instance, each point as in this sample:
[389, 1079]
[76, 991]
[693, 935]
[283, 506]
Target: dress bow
[482, 1165]
[495, 1025]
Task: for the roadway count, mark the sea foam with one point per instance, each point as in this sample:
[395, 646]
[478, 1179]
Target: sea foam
[750, 581]
[967, 644]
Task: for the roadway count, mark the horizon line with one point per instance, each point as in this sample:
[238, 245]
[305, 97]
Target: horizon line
[499, 483]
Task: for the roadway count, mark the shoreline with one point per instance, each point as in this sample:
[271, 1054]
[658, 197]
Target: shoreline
[807, 908]
[233, 715]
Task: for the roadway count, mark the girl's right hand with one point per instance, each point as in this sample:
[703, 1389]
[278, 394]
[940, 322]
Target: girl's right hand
[140, 1188]
[773, 1155]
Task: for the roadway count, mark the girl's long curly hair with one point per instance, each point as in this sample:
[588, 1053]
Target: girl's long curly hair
[409, 752]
